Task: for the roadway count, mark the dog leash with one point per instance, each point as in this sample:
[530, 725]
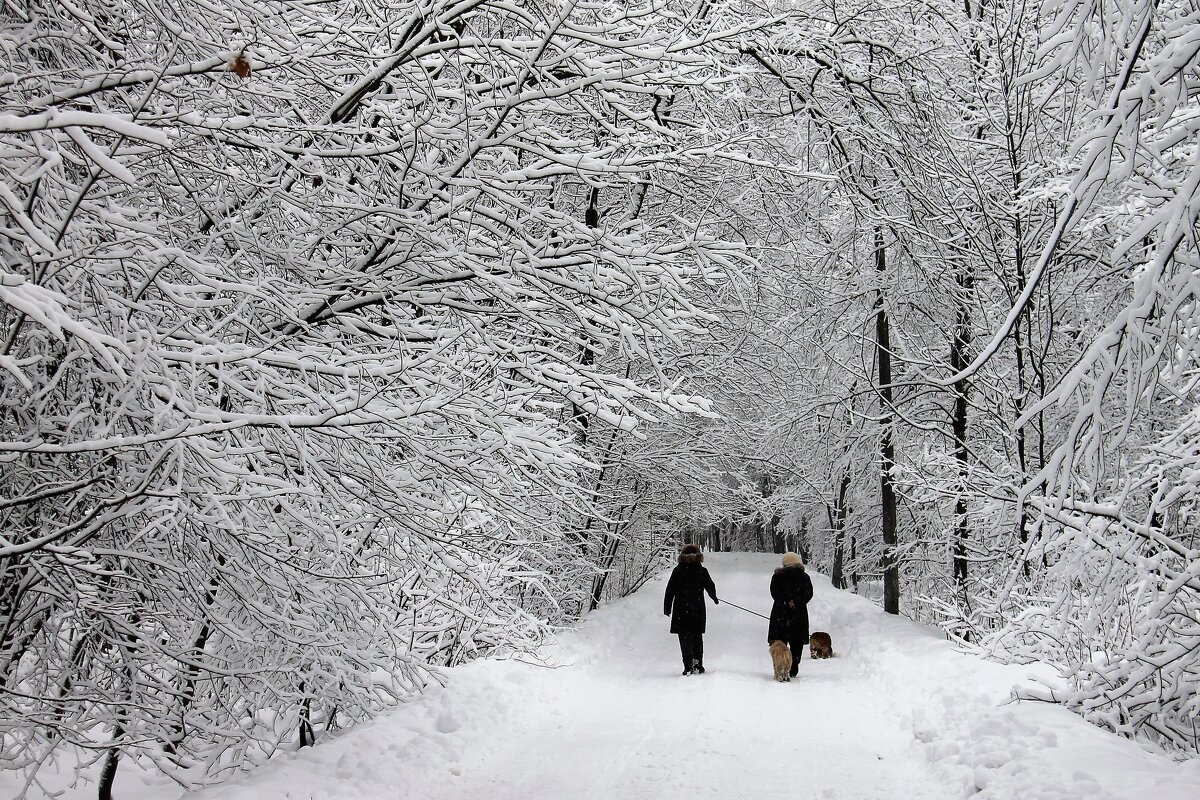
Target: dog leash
[748, 611]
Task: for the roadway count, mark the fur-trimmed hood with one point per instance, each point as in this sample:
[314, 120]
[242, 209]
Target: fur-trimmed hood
[690, 554]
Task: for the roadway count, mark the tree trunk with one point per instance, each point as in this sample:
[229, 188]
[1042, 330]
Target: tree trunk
[108, 775]
[610, 551]
[959, 343]
[854, 563]
[191, 671]
[1022, 444]
[887, 445]
[308, 736]
[837, 521]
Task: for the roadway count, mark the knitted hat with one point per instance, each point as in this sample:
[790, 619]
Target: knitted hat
[792, 560]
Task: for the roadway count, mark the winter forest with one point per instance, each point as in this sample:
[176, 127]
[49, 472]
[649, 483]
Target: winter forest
[342, 342]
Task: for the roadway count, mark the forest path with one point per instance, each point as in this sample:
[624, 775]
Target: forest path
[897, 714]
[622, 722]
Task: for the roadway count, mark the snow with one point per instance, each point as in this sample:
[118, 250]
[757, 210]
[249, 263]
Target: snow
[70, 118]
[606, 714]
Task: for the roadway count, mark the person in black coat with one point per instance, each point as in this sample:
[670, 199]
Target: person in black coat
[684, 603]
[791, 590]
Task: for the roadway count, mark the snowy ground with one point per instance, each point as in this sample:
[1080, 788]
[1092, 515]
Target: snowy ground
[898, 714]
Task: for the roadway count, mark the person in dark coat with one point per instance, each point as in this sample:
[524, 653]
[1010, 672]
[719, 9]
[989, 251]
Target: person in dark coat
[791, 590]
[684, 603]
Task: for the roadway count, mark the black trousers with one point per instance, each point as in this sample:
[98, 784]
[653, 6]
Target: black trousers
[691, 647]
[797, 647]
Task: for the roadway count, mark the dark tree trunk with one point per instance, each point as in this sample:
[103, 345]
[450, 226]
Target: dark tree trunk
[961, 340]
[611, 549]
[108, 775]
[770, 519]
[591, 217]
[887, 445]
[191, 671]
[802, 541]
[307, 734]
[854, 563]
[578, 415]
[837, 521]
[1030, 384]
[964, 279]
[839, 557]
[1022, 444]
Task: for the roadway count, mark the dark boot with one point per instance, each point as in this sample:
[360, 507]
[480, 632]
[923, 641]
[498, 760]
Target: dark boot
[698, 666]
[691, 647]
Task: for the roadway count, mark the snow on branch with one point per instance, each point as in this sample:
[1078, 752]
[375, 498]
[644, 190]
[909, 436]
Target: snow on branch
[300, 349]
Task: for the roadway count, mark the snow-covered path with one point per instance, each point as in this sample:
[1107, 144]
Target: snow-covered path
[898, 714]
[622, 722]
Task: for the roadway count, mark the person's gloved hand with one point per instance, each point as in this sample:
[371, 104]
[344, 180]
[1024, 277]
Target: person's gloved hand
[716, 602]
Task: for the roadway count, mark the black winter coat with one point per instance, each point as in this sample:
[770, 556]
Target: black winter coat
[791, 590]
[684, 600]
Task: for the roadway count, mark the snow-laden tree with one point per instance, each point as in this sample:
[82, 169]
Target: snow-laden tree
[299, 304]
[869, 90]
[1029, 175]
[1116, 600]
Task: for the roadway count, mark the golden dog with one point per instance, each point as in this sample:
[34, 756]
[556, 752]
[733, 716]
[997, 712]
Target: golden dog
[781, 657]
[820, 645]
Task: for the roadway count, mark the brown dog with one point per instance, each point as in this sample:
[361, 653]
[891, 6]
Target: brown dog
[781, 657]
[820, 645]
